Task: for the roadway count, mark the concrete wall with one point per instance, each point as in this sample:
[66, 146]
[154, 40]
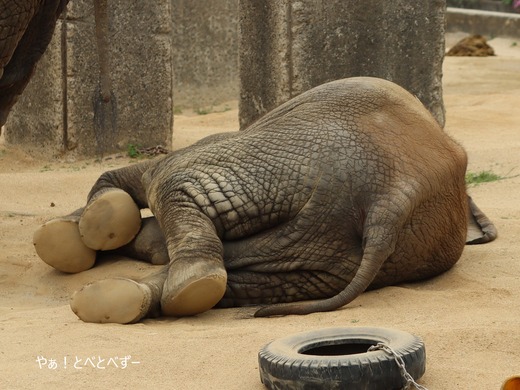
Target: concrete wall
[490, 24]
[484, 5]
[206, 45]
[287, 47]
[36, 120]
[205, 52]
[61, 111]
[290, 46]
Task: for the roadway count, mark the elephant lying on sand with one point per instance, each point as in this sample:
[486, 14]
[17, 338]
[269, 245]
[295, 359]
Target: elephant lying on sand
[351, 185]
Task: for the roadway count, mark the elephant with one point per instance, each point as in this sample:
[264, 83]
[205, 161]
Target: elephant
[349, 186]
[27, 28]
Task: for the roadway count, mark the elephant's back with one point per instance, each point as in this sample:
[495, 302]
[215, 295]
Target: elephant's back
[363, 115]
[361, 135]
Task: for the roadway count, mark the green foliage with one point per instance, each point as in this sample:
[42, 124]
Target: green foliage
[211, 109]
[473, 178]
[133, 151]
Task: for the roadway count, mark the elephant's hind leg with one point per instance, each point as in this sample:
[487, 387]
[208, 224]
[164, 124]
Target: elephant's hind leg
[197, 277]
[119, 300]
[122, 300]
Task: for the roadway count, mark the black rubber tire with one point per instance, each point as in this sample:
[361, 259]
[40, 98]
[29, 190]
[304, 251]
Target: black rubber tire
[338, 361]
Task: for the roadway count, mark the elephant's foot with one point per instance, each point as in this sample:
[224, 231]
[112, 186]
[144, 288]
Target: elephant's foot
[118, 300]
[193, 288]
[110, 221]
[58, 243]
[149, 244]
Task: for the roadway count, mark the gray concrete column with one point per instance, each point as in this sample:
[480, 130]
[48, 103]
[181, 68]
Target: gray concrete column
[61, 112]
[290, 46]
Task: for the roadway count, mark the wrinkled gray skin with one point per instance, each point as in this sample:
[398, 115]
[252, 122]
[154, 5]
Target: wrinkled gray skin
[26, 28]
[351, 185]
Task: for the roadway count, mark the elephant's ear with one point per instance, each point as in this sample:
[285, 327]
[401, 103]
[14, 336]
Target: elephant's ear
[480, 228]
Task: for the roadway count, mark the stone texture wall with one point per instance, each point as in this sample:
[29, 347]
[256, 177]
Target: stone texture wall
[262, 52]
[490, 24]
[36, 120]
[290, 46]
[205, 52]
[61, 111]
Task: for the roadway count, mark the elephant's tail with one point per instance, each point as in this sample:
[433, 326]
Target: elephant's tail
[480, 228]
[376, 251]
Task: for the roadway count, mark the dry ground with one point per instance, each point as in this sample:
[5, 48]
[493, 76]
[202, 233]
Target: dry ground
[469, 317]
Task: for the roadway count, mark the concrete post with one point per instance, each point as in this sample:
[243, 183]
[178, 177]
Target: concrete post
[60, 111]
[290, 46]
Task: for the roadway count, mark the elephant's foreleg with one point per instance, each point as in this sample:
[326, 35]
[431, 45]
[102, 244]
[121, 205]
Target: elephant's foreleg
[58, 243]
[149, 245]
[110, 220]
[111, 217]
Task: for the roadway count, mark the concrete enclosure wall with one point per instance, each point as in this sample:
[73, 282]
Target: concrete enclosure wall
[205, 52]
[491, 24]
[61, 110]
[290, 46]
[198, 54]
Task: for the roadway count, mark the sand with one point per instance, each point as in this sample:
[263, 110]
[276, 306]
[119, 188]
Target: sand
[468, 317]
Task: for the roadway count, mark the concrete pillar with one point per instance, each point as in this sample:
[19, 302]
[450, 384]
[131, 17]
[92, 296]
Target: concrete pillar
[290, 46]
[60, 111]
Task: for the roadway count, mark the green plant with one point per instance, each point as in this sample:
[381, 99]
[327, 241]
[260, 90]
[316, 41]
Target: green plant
[133, 151]
[473, 178]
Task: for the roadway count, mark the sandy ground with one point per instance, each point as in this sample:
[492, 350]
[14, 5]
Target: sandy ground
[469, 317]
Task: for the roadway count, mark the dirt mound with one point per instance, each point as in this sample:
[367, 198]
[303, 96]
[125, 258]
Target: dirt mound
[472, 46]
